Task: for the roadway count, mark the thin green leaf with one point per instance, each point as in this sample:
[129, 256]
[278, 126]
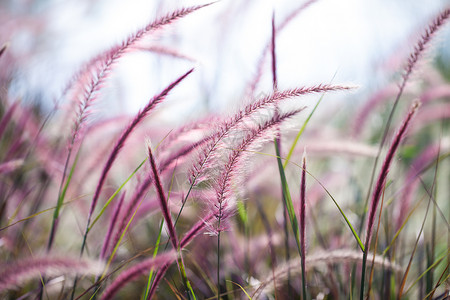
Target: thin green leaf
[291, 212]
[401, 227]
[288, 200]
[37, 214]
[115, 194]
[408, 268]
[63, 193]
[291, 150]
[440, 281]
[438, 260]
[245, 292]
[94, 295]
[187, 283]
[340, 210]
[28, 218]
[242, 212]
[118, 242]
[325, 189]
[155, 252]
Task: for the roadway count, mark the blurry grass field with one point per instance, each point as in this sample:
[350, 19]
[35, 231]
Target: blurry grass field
[280, 199]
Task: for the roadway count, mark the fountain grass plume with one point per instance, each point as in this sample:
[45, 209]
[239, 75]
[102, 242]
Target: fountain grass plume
[139, 269]
[208, 151]
[225, 204]
[188, 237]
[11, 166]
[322, 257]
[196, 229]
[418, 52]
[385, 170]
[116, 150]
[302, 228]
[176, 135]
[379, 186]
[276, 29]
[163, 50]
[274, 56]
[94, 73]
[415, 56]
[90, 79]
[15, 273]
[121, 142]
[423, 43]
[238, 159]
[221, 171]
[182, 153]
[162, 200]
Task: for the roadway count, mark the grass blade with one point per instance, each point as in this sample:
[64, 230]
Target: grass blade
[358, 240]
[437, 262]
[111, 257]
[294, 144]
[115, 194]
[155, 252]
[60, 201]
[289, 206]
[35, 215]
[240, 286]
[158, 240]
[401, 227]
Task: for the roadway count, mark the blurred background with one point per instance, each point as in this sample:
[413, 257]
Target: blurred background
[363, 43]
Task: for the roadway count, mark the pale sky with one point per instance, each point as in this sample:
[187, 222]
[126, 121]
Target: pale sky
[355, 41]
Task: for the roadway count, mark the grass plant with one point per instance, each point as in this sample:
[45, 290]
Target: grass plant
[218, 209]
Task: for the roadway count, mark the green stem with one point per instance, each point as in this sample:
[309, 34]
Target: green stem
[218, 264]
[363, 272]
[187, 284]
[155, 252]
[290, 209]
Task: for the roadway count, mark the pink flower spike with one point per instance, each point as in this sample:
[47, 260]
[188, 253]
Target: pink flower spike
[189, 236]
[302, 221]
[126, 133]
[225, 199]
[13, 274]
[303, 209]
[226, 126]
[274, 56]
[91, 77]
[141, 268]
[163, 201]
[384, 172]
[423, 43]
[260, 64]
